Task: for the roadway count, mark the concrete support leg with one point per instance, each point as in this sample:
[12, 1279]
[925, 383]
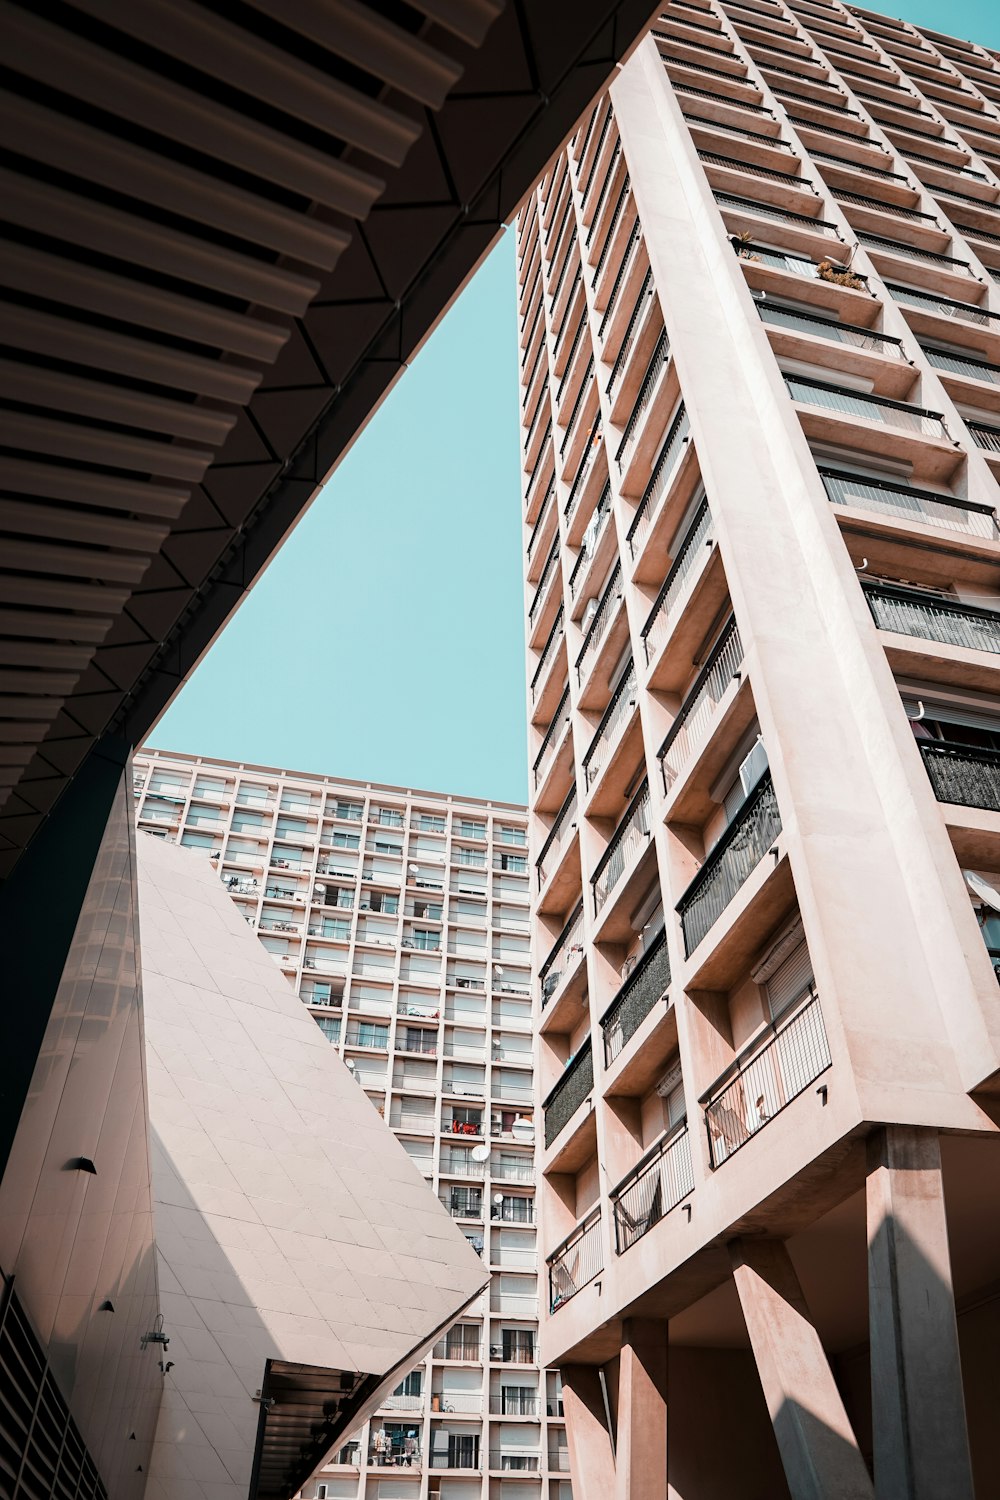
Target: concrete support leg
[918, 1407]
[591, 1451]
[641, 1450]
[818, 1449]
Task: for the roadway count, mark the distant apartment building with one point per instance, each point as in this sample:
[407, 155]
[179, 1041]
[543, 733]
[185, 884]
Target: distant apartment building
[759, 321]
[401, 918]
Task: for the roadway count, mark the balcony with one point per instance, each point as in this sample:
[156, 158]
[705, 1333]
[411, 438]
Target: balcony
[616, 715]
[683, 570]
[849, 403]
[576, 1261]
[506, 1462]
[662, 1180]
[964, 775]
[630, 445]
[572, 1089]
[510, 1403]
[830, 328]
[592, 537]
[696, 715]
[629, 262]
[557, 840]
[563, 956]
[942, 307]
[963, 364]
[730, 864]
[638, 996]
[558, 1460]
[549, 652]
[764, 1079]
[985, 437]
[628, 843]
[467, 1350]
[598, 627]
[904, 503]
[674, 447]
[932, 617]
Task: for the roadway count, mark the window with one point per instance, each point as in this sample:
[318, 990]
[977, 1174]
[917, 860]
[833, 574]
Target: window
[351, 812]
[412, 1386]
[330, 1027]
[387, 817]
[518, 1400]
[463, 1451]
[386, 846]
[332, 927]
[368, 1034]
[791, 980]
[381, 901]
[197, 840]
[466, 1202]
[466, 1121]
[470, 857]
[429, 822]
[471, 828]
[430, 909]
[346, 840]
[518, 1346]
[244, 821]
[507, 835]
[511, 862]
[751, 770]
[291, 828]
[210, 786]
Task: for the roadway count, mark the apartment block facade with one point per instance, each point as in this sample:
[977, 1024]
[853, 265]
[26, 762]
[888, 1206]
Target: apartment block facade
[401, 918]
[759, 312]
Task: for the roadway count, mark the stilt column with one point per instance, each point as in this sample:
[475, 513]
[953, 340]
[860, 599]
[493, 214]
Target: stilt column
[641, 1448]
[591, 1450]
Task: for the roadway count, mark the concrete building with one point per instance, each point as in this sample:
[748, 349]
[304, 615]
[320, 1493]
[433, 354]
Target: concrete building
[760, 355]
[401, 919]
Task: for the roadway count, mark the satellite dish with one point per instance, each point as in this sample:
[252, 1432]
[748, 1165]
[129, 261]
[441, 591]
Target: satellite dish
[498, 1197]
[480, 1153]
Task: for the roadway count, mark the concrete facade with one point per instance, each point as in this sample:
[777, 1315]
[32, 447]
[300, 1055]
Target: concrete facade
[401, 919]
[760, 340]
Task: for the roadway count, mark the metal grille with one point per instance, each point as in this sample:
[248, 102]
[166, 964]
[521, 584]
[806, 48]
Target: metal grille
[765, 1082]
[629, 838]
[698, 710]
[569, 1093]
[657, 364]
[657, 1185]
[829, 328]
[911, 504]
[730, 864]
[965, 775]
[699, 536]
[42, 1455]
[599, 624]
[567, 946]
[577, 1261]
[638, 995]
[870, 408]
[615, 715]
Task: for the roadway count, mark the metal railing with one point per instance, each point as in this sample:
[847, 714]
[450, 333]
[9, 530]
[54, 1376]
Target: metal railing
[563, 1101]
[764, 1079]
[506, 1462]
[658, 625]
[850, 403]
[908, 503]
[771, 211]
[568, 943]
[658, 362]
[663, 471]
[558, 836]
[568, 369]
[947, 307]
[879, 242]
[638, 995]
[751, 169]
[642, 303]
[662, 1180]
[984, 436]
[548, 652]
[513, 1404]
[683, 87]
[553, 735]
[460, 1165]
[863, 201]
[695, 715]
[605, 185]
[458, 1348]
[547, 571]
[962, 364]
[585, 190]
[626, 188]
[591, 448]
[558, 1459]
[862, 166]
[620, 276]
[591, 536]
[965, 775]
[578, 404]
[933, 618]
[781, 260]
[598, 627]
[730, 864]
[700, 121]
[576, 1262]
[618, 711]
[830, 328]
[629, 838]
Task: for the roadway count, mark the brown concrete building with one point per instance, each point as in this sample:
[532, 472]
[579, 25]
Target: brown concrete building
[760, 351]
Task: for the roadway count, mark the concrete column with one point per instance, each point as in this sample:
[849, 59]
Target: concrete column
[591, 1451]
[918, 1406]
[818, 1449]
[641, 1450]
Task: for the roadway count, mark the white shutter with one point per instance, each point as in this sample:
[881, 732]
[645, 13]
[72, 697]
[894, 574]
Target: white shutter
[952, 714]
[789, 981]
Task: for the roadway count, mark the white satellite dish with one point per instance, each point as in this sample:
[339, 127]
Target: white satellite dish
[480, 1153]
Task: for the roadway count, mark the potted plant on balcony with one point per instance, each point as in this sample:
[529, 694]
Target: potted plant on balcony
[828, 270]
[741, 244]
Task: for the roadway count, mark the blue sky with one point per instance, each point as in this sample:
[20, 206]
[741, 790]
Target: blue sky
[385, 641]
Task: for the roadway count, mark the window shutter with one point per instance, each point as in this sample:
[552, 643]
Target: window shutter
[789, 981]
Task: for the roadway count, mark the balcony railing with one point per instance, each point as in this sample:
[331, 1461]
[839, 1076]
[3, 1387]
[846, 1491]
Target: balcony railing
[551, 563]
[605, 185]
[576, 1262]
[881, 206]
[944, 307]
[595, 527]
[966, 775]
[513, 1404]
[626, 188]
[567, 946]
[581, 396]
[660, 621]
[930, 617]
[455, 1348]
[620, 275]
[909, 504]
[764, 1079]
[642, 303]
[507, 1462]
[698, 709]
[758, 136]
[771, 211]
[558, 836]
[984, 436]
[663, 471]
[598, 627]
[879, 242]
[657, 364]
[659, 1183]
[548, 652]
[850, 403]
[861, 166]
[629, 839]
[830, 328]
[730, 864]
[559, 1460]
[563, 1101]
[638, 995]
[618, 711]
[552, 737]
[591, 448]
[962, 364]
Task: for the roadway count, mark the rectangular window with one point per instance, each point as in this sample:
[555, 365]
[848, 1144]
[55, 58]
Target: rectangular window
[368, 1034]
[210, 786]
[387, 817]
[471, 829]
[507, 835]
[351, 812]
[429, 822]
[330, 1027]
[197, 840]
[346, 840]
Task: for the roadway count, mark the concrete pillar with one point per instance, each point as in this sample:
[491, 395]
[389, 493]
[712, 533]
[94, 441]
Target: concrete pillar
[918, 1407]
[818, 1449]
[591, 1451]
[641, 1448]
